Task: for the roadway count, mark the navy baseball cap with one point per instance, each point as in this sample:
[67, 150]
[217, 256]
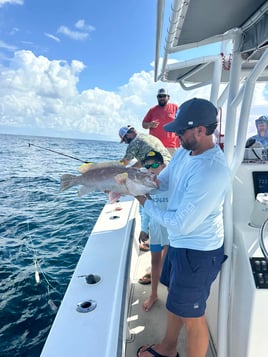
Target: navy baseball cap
[192, 113]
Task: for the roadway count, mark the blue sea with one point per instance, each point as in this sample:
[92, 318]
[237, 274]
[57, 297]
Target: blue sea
[42, 232]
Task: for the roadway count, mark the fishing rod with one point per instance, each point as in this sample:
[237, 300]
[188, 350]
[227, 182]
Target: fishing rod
[60, 153]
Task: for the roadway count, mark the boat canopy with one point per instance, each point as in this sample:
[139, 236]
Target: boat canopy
[201, 70]
[199, 23]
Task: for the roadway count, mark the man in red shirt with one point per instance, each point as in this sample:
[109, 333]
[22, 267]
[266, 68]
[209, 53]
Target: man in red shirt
[160, 115]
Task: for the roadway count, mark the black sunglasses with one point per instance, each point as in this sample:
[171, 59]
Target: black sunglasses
[154, 165]
[181, 132]
[162, 96]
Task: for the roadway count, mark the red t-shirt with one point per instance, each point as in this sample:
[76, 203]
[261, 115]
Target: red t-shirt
[163, 115]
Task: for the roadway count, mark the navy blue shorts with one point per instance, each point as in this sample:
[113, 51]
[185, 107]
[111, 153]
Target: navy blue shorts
[188, 274]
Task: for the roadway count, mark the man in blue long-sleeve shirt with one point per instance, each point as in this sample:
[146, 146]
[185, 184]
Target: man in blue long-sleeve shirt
[197, 179]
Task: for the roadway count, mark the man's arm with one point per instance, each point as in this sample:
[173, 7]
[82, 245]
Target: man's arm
[148, 121]
[151, 124]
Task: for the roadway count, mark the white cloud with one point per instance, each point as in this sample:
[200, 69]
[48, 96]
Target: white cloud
[74, 35]
[13, 31]
[12, 2]
[38, 75]
[260, 106]
[81, 25]
[52, 37]
[40, 95]
[6, 46]
[81, 35]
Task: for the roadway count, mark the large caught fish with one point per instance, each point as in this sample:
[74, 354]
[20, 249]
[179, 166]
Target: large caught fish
[108, 177]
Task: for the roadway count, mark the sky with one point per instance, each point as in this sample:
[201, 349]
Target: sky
[82, 69]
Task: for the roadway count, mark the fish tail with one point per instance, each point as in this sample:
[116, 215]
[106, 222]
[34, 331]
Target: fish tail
[67, 181]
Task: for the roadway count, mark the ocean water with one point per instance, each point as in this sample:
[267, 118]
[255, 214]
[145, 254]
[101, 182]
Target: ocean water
[42, 232]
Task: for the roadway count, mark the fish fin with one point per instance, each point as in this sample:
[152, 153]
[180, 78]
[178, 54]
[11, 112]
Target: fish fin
[114, 197]
[83, 190]
[92, 165]
[66, 181]
[135, 188]
[85, 167]
[121, 178]
[109, 164]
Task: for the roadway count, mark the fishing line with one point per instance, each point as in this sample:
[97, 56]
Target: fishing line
[37, 266]
[31, 247]
[59, 153]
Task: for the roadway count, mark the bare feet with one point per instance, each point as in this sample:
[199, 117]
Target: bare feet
[148, 303]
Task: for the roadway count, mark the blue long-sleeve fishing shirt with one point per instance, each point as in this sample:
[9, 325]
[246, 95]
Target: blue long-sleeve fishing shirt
[196, 188]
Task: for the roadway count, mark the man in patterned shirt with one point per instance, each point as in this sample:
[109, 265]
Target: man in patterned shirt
[139, 145]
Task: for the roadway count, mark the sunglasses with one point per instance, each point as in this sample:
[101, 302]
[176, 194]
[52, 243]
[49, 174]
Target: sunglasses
[181, 132]
[162, 96]
[154, 165]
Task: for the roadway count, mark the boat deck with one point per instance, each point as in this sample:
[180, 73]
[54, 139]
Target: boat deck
[148, 327]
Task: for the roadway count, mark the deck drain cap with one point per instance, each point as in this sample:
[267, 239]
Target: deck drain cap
[86, 306]
[92, 279]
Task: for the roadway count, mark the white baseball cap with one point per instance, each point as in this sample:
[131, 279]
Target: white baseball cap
[123, 131]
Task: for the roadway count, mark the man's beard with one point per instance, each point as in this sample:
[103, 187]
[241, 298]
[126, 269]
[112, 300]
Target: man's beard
[189, 145]
[128, 140]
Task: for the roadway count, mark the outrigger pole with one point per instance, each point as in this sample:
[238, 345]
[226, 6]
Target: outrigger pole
[60, 153]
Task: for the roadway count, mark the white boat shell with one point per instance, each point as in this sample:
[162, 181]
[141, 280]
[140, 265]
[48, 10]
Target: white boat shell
[108, 251]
